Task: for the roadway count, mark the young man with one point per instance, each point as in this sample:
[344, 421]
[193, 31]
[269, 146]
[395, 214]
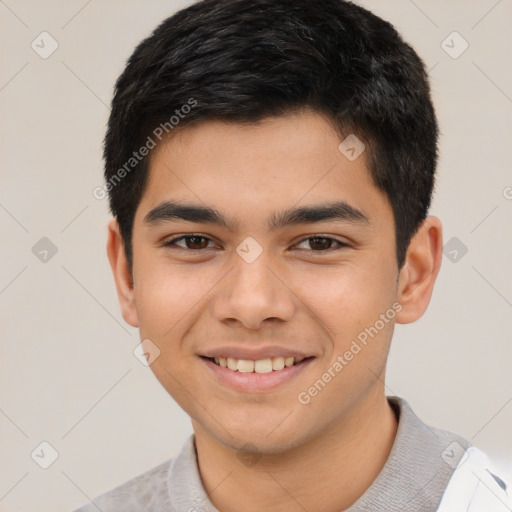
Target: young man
[270, 165]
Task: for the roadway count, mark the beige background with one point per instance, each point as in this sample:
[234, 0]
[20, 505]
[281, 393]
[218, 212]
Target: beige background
[68, 375]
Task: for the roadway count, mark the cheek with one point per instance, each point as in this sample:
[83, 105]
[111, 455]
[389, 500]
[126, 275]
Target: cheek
[346, 299]
[168, 299]
[165, 295]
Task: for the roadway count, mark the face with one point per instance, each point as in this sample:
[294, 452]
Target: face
[264, 248]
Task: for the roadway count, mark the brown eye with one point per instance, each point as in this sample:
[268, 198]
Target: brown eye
[321, 243]
[196, 242]
[189, 242]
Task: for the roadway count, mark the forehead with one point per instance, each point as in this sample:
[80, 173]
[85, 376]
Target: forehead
[254, 168]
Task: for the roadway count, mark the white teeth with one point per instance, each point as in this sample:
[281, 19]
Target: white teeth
[263, 366]
[277, 363]
[260, 366]
[245, 366]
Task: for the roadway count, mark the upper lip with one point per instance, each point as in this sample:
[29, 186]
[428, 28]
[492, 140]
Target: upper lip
[254, 354]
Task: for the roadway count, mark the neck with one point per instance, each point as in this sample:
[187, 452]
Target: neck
[316, 476]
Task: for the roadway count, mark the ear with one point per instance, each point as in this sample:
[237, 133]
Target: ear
[122, 274]
[420, 270]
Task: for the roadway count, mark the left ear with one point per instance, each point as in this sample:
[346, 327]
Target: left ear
[420, 270]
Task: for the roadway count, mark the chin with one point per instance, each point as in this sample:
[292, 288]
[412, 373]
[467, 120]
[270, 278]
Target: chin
[263, 436]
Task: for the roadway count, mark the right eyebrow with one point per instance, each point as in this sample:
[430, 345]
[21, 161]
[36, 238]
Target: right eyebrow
[171, 210]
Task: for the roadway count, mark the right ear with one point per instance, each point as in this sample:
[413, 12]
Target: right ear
[122, 274]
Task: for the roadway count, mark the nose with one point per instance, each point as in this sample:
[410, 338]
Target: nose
[254, 293]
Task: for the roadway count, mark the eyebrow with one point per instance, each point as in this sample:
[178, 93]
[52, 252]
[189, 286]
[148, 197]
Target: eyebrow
[338, 211]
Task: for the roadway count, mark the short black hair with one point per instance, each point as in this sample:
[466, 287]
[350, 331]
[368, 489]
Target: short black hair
[244, 60]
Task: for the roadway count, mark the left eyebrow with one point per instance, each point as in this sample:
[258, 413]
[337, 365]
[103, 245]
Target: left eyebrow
[337, 211]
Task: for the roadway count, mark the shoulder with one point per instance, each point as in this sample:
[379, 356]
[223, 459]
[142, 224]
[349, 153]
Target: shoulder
[173, 485]
[147, 491]
[475, 486]
[443, 469]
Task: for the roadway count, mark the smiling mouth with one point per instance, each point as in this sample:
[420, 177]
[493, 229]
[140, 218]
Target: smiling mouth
[268, 365]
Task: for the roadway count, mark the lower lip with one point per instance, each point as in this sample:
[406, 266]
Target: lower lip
[253, 382]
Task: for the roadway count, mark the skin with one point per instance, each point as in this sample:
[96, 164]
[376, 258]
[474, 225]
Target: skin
[301, 456]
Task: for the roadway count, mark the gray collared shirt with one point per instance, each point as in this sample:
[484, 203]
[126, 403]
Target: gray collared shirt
[414, 478]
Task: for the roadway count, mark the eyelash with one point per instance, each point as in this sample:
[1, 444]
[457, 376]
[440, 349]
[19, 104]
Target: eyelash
[170, 243]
